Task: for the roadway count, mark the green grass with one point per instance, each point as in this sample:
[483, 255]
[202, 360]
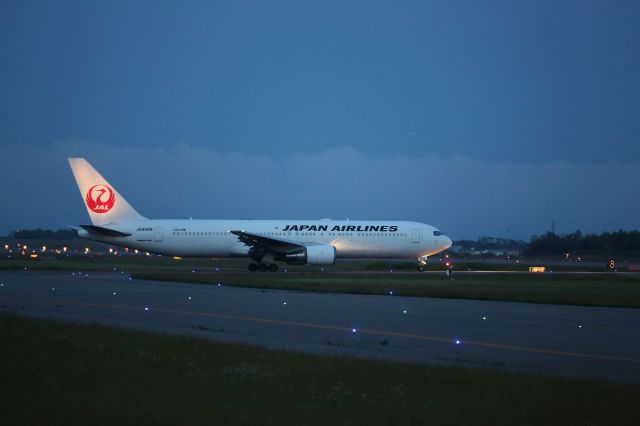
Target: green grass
[572, 289]
[366, 277]
[54, 373]
[101, 263]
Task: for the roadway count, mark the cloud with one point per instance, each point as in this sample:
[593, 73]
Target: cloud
[464, 197]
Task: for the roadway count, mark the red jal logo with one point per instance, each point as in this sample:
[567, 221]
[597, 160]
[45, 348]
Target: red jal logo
[100, 198]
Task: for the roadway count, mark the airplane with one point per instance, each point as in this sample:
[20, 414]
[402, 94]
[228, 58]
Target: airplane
[300, 242]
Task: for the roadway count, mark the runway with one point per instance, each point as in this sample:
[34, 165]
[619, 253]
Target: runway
[548, 339]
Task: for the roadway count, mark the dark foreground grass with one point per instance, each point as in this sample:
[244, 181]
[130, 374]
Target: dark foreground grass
[570, 289]
[61, 374]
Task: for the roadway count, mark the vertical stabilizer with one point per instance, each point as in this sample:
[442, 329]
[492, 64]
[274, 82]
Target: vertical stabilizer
[104, 204]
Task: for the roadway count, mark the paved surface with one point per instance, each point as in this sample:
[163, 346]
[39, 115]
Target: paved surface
[559, 340]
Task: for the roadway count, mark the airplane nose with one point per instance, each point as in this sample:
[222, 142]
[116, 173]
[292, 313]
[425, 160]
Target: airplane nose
[447, 242]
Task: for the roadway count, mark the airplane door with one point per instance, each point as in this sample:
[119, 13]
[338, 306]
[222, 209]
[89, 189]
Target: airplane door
[158, 232]
[415, 235]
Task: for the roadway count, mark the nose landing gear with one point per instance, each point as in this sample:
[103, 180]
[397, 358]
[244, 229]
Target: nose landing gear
[422, 262]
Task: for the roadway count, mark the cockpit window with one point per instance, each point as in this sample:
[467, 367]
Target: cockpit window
[437, 233]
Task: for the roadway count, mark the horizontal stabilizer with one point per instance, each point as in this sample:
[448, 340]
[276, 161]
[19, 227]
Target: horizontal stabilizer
[101, 230]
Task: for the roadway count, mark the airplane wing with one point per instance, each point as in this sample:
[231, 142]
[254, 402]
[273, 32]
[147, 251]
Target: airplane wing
[259, 242]
[101, 230]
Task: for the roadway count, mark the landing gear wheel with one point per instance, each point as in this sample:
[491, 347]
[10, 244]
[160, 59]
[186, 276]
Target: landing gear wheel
[273, 267]
[262, 267]
[253, 267]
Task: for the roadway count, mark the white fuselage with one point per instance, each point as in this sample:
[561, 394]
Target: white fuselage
[212, 238]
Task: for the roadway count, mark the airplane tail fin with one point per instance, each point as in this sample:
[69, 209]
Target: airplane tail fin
[104, 204]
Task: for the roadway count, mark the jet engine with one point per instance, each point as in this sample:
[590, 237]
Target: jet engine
[321, 254]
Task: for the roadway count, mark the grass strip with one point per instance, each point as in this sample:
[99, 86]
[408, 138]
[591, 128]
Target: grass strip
[585, 289]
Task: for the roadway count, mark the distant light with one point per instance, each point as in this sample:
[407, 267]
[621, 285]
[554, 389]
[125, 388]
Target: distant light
[146, 308]
[189, 297]
[110, 250]
[458, 342]
[580, 326]
[64, 249]
[219, 284]
[114, 293]
[53, 289]
[404, 311]
[44, 248]
[391, 270]
[391, 293]
[484, 318]
[284, 303]
[353, 330]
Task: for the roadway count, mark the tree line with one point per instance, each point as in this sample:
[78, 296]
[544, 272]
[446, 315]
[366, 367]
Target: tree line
[44, 234]
[609, 242]
[617, 242]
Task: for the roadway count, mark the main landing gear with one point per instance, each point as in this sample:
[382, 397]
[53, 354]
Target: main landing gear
[263, 267]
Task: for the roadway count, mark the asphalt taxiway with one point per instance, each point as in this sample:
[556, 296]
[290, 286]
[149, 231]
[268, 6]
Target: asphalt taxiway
[548, 339]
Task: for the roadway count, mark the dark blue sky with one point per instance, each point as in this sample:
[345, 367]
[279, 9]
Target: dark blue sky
[492, 117]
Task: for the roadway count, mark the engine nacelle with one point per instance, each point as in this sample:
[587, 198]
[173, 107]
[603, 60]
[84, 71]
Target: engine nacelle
[322, 254]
